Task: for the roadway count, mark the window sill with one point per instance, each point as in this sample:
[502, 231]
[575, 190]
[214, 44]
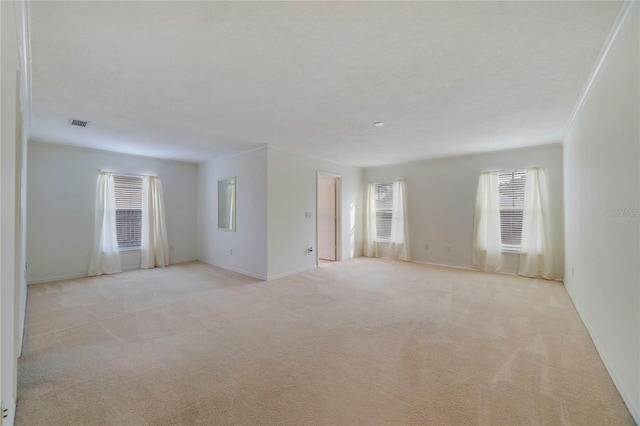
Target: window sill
[129, 249]
[510, 251]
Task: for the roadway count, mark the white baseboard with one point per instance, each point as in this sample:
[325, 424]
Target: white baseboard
[84, 274]
[228, 268]
[632, 405]
[186, 260]
[58, 278]
[252, 275]
[295, 271]
[445, 265]
[466, 268]
[10, 405]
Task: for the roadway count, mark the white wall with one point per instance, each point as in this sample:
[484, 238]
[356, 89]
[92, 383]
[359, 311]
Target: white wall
[601, 165]
[292, 192]
[274, 190]
[9, 208]
[61, 184]
[441, 197]
[244, 250]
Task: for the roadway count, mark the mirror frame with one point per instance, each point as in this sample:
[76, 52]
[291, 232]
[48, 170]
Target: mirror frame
[233, 207]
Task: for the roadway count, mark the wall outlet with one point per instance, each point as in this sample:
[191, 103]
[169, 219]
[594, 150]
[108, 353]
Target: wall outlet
[448, 249]
[230, 252]
[307, 215]
[426, 246]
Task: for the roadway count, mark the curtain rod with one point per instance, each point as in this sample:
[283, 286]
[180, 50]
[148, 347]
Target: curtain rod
[126, 174]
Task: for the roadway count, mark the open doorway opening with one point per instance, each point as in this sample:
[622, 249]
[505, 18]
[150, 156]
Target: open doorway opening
[328, 217]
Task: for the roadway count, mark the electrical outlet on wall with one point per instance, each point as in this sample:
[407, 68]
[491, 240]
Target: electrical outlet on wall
[230, 252]
[426, 246]
[448, 249]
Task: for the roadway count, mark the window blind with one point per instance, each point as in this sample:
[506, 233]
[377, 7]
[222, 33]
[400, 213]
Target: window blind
[511, 185]
[384, 209]
[128, 191]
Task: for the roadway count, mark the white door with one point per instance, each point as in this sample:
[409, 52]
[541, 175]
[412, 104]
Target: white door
[327, 218]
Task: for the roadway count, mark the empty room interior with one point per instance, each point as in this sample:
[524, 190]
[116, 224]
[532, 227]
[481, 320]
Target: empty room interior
[326, 213]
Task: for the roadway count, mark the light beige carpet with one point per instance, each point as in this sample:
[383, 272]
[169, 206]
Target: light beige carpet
[365, 342]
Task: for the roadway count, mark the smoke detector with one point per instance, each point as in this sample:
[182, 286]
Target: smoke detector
[79, 123]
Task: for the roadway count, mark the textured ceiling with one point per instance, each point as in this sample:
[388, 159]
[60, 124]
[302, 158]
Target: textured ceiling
[186, 80]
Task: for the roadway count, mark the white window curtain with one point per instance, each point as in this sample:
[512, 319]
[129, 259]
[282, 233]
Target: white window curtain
[370, 231]
[399, 223]
[487, 239]
[106, 256]
[397, 246]
[536, 256]
[154, 250]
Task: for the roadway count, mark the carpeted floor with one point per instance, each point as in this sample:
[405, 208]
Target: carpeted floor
[365, 341]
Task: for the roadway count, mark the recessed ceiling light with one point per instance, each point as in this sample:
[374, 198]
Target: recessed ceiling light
[378, 124]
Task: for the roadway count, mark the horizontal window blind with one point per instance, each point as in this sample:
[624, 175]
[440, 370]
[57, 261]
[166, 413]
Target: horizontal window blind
[511, 191]
[384, 209]
[128, 191]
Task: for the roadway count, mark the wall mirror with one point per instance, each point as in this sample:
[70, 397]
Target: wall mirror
[227, 204]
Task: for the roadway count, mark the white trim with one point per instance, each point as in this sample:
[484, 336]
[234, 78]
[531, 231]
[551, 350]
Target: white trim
[510, 250]
[23, 20]
[58, 278]
[171, 262]
[123, 249]
[338, 211]
[465, 268]
[11, 412]
[327, 174]
[295, 271]
[185, 260]
[228, 268]
[624, 11]
[634, 410]
[84, 275]
[260, 277]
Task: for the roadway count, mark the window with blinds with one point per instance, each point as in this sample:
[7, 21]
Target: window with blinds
[384, 208]
[511, 191]
[128, 190]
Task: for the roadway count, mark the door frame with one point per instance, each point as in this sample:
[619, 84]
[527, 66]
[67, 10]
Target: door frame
[338, 180]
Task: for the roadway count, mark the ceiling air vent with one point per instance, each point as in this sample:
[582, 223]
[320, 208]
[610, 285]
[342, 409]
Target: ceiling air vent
[79, 123]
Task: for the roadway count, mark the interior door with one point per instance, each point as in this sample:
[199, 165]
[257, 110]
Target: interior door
[327, 218]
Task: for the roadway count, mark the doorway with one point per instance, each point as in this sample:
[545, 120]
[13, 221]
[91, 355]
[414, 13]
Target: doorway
[328, 216]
